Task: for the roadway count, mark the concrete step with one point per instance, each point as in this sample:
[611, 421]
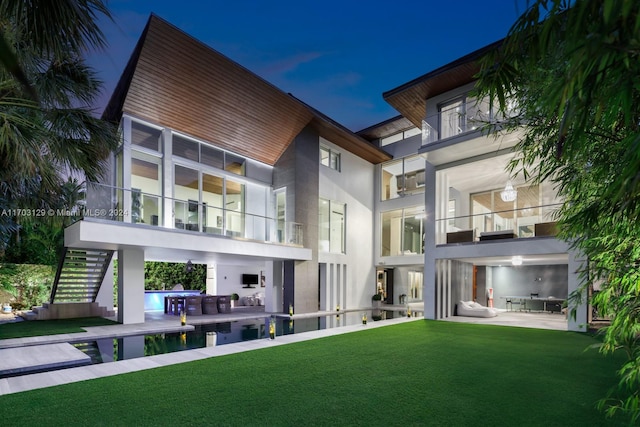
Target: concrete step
[29, 315]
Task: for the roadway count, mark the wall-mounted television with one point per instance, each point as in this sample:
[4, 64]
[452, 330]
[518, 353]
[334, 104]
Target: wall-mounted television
[250, 279]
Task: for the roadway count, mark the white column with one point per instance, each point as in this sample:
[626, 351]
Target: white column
[429, 278]
[126, 168]
[273, 286]
[131, 286]
[105, 294]
[576, 264]
[325, 304]
[212, 279]
[167, 180]
[344, 300]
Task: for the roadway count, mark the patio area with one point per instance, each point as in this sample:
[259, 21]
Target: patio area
[553, 321]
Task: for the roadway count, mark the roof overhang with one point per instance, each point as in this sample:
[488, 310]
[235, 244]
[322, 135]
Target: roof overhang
[410, 98]
[388, 127]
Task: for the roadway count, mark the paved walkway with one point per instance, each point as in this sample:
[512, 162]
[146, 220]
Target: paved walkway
[161, 324]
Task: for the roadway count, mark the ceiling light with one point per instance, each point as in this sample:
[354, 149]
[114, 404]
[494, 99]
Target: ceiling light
[516, 260]
[509, 193]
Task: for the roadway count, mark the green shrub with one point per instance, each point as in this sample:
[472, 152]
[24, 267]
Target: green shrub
[25, 285]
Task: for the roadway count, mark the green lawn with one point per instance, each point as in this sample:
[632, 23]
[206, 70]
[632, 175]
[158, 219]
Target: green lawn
[36, 328]
[410, 374]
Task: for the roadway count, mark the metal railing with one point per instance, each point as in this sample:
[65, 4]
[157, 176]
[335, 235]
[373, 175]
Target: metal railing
[136, 207]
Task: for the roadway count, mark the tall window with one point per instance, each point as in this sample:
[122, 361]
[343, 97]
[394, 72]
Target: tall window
[213, 203]
[402, 177]
[462, 115]
[146, 189]
[491, 213]
[329, 158]
[235, 208]
[332, 226]
[403, 232]
[146, 174]
[186, 190]
[281, 209]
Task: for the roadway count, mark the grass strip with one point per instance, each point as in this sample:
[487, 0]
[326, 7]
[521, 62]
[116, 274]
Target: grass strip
[36, 328]
[422, 373]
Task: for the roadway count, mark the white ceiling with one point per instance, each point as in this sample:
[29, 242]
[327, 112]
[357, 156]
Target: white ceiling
[546, 259]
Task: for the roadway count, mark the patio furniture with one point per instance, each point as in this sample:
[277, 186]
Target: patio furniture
[224, 303]
[176, 305]
[209, 304]
[193, 305]
[473, 309]
[497, 235]
[510, 301]
[461, 236]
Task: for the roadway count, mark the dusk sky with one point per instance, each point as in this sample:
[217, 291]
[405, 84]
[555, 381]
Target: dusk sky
[337, 56]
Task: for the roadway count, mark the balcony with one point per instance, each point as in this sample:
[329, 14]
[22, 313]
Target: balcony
[536, 221]
[150, 210]
[458, 118]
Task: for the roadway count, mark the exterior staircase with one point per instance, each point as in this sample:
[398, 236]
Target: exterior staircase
[80, 274]
[78, 279]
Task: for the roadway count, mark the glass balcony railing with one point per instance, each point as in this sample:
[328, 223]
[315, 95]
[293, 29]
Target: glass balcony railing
[527, 222]
[458, 119]
[137, 207]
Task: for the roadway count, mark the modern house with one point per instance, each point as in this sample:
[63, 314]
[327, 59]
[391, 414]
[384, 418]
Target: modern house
[218, 166]
[451, 224]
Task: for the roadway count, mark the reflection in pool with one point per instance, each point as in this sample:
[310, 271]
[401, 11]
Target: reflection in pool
[215, 334]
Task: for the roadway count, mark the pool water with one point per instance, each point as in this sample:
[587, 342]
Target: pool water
[215, 334]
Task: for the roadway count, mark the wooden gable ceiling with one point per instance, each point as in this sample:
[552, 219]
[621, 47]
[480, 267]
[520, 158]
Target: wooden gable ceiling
[410, 99]
[175, 80]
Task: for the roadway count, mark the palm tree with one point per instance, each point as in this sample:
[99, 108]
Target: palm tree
[47, 126]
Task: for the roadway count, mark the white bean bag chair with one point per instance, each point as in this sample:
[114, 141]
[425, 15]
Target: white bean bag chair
[473, 309]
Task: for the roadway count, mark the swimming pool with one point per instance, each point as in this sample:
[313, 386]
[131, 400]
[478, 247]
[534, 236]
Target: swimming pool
[220, 333]
[106, 350]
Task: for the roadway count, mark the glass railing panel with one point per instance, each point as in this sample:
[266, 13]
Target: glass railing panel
[117, 204]
[460, 118]
[521, 223]
[214, 220]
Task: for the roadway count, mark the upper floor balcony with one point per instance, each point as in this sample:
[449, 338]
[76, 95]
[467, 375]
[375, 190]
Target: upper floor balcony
[151, 210]
[532, 221]
[460, 116]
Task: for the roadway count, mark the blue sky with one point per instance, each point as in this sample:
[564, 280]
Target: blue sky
[337, 56]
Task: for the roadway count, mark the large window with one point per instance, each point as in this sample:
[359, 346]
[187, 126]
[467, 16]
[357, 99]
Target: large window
[186, 192]
[332, 228]
[208, 203]
[146, 174]
[204, 153]
[234, 208]
[402, 177]
[330, 158]
[145, 136]
[146, 189]
[399, 136]
[492, 213]
[403, 232]
[213, 203]
[462, 115]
